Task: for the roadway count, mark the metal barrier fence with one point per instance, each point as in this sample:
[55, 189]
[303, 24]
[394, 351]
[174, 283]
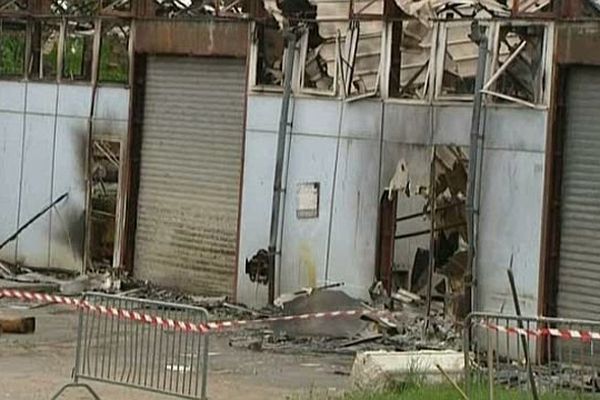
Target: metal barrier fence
[564, 355]
[153, 358]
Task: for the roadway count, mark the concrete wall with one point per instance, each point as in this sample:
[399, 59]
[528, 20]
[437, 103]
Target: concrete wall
[43, 147]
[352, 149]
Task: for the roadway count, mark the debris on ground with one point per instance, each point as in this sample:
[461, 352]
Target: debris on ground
[322, 301]
[399, 328]
[64, 281]
[397, 325]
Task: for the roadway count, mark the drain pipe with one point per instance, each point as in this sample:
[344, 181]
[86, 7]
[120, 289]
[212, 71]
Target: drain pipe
[478, 35]
[290, 37]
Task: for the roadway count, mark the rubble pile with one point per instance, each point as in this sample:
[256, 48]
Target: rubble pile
[400, 326]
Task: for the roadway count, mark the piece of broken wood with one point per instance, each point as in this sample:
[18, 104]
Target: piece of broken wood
[17, 325]
[364, 339]
[244, 309]
[209, 302]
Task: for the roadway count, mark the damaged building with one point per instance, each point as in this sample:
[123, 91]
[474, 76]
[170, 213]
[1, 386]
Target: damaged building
[159, 122]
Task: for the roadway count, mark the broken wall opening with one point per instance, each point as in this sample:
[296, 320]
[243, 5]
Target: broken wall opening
[104, 200]
[438, 270]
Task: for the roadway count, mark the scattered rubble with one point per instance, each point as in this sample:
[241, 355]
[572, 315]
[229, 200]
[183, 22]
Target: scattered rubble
[400, 329]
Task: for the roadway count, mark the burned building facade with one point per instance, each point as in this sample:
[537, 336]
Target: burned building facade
[161, 120]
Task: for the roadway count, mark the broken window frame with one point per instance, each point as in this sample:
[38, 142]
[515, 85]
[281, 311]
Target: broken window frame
[440, 58]
[37, 57]
[495, 70]
[303, 64]
[428, 87]
[87, 66]
[22, 31]
[347, 67]
[253, 83]
[118, 211]
[124, 24]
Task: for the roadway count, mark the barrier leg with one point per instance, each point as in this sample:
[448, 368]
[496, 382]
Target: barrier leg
[72, 385]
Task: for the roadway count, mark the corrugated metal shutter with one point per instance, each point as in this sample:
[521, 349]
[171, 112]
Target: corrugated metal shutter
[579, 270]
[191, 160]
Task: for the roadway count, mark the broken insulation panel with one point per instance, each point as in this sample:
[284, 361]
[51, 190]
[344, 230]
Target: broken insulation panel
[44, 50]
[521, 55]
[12, 48]
[114, 53]
[106, 161]
[78, 52]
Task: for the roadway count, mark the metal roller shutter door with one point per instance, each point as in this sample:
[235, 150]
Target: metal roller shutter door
[579, 270]
[191, 160]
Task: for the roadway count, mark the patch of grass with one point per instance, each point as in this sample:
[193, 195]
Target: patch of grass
[417, 391]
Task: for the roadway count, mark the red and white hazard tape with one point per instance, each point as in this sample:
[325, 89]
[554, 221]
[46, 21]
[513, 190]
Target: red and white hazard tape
[566, 334]
[170, 323]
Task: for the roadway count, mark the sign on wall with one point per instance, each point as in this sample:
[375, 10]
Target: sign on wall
[308, 200]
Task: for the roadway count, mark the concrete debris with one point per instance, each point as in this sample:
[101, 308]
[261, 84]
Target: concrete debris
[376, 370]
[86, 283]
[320, 301]
[51, 279]
[288, 297]
[400, 330]
[207, 302]
[405, 296]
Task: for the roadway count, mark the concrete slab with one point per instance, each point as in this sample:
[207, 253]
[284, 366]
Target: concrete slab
[322, 301]
[379, 369]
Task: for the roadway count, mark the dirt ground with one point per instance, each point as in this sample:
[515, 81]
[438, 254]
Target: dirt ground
[34, 366]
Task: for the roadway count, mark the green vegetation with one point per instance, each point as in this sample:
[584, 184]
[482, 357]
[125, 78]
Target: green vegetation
[417, 391]
[12, 53]
[446, 392]
[114, 58]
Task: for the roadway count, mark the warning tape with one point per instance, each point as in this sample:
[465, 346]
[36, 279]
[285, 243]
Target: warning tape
[170, 323]
[566, 334]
